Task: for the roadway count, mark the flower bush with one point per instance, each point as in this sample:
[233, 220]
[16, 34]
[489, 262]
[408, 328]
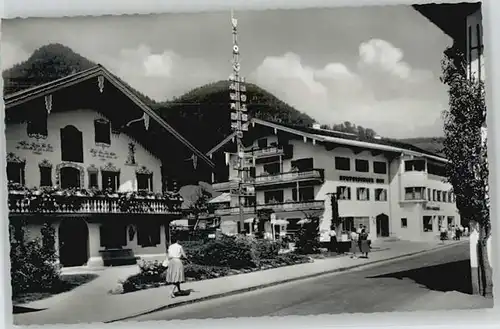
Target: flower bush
[33, 266]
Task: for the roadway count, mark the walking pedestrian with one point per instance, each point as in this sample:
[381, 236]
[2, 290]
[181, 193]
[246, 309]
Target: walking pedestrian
[354, 244]
[175, 269]
[363, 243]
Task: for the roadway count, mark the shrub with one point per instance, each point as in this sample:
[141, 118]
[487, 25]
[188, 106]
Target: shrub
[232, 252]
[33, 267]
[307, 241]
[150, 273]
[202, 272]
[285, 259]
[267, 249]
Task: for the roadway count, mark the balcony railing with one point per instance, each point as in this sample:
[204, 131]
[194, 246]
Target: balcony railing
[267, 179]
[277, 207]
[267, 151]
[313, 174]
[20, 203]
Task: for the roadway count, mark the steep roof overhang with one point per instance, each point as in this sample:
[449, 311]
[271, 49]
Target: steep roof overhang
[15, 99]
[449, 17]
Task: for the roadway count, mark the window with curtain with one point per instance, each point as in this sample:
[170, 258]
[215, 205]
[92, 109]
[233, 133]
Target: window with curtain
[144, 182]
[363, 194]
[110, 180]
[343, 193]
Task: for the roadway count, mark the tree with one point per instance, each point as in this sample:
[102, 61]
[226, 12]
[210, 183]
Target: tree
[465, 147]
[197, 203]
[307, 240]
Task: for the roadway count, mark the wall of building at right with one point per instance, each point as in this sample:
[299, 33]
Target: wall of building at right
[474, 48]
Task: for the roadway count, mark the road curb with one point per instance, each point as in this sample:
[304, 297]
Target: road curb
[275, 283]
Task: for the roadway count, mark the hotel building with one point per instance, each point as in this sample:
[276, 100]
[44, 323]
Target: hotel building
[394, 189]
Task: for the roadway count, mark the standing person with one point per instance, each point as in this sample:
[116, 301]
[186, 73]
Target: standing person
[363, 243]
[333, 240]
[444, 233]
[359, 229]
[354, 243]
[175, 270]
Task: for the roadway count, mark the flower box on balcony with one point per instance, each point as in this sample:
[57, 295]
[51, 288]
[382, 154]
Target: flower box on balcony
[54, 200]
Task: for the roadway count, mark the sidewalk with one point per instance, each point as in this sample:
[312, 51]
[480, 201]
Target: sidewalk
[91, 303]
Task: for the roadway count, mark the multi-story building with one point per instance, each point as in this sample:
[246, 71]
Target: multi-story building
[83, 156]
[394, 189]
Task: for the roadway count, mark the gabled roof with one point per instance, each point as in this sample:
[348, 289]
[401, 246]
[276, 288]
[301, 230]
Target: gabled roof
[325, 136]
[26, 95]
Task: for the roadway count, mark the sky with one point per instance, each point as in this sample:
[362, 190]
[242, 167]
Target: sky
[377, 67]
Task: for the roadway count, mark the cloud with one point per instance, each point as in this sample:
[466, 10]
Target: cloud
[381, 91]
[160, 75]
[11, 54]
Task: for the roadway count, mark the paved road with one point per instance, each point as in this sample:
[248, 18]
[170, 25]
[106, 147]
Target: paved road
[438, 280]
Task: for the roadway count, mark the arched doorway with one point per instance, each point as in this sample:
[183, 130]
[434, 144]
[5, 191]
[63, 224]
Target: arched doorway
[382, 225]
[73, 242]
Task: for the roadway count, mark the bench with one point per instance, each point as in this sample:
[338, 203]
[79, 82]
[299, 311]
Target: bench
[113, 257]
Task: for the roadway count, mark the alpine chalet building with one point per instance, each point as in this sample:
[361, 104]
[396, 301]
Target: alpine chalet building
[87, 156]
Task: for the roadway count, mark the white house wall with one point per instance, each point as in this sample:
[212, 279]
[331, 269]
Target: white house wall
[83, 120]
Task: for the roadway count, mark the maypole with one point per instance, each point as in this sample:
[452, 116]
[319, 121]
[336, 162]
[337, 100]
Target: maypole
[239, 121]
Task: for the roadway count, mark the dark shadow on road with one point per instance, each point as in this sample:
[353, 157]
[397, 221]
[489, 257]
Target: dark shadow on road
[454, 276]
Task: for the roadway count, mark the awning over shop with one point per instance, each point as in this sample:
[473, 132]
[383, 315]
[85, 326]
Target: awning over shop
[224, 197]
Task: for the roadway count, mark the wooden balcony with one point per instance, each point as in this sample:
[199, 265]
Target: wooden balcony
[277, 207]
[22, 203]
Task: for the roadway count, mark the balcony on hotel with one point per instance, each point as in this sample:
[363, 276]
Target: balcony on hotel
[415, 173]
[283, 179]
[275, 206]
